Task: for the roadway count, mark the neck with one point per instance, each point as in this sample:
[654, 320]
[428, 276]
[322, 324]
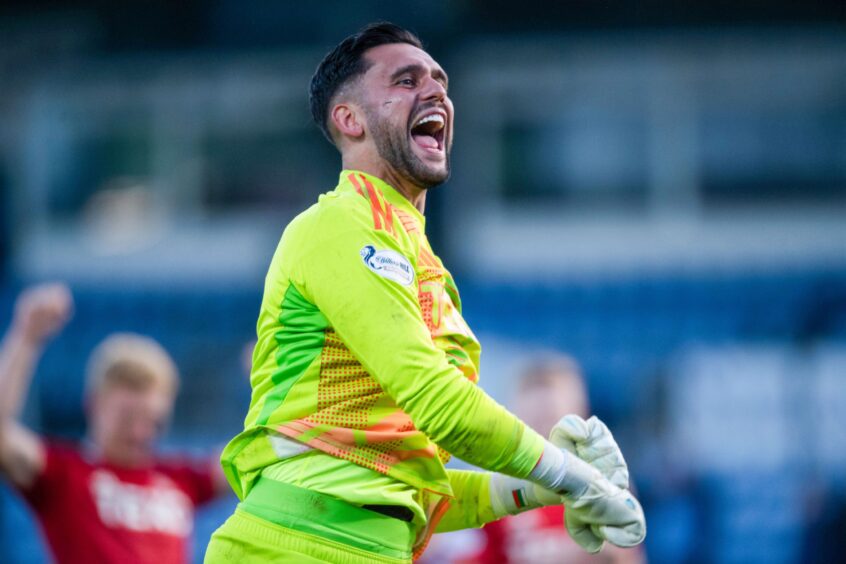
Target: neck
[412, 192]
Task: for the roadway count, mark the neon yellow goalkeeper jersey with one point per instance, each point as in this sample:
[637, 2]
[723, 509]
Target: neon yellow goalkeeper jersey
[363, 354]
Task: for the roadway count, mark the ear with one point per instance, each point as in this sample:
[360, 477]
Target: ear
[345, 118]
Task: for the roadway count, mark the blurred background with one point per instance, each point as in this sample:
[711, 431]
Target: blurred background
[656, 188]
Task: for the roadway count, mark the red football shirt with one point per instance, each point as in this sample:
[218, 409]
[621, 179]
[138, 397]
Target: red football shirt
[537, 536]
[95, 512]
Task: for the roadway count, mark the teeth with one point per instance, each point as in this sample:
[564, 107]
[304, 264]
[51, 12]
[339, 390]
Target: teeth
[431, 117]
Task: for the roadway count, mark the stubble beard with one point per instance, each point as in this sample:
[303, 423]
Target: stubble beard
[394, 146]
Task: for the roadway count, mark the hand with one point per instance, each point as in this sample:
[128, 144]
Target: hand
[596, 512]
[42, 311]
[592, 442]
[596, 509]
[604, 511]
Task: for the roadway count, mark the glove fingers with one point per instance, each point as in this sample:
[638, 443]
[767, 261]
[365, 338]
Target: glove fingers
[596, 428]
[582, 534]
[602, 451]
[562, 442]
[570, 430]
[585, 538]
[620, 478]
[630, 535]
[599, 436]
[609, 465]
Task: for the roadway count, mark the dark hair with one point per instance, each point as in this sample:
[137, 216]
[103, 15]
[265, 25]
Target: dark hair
[346, 61]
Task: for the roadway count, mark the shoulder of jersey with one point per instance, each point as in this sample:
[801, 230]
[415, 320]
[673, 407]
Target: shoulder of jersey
[332, 211]
[348, 207]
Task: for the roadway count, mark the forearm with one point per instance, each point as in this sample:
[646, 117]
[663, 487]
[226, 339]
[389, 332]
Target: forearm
[452, 411]
[483, 497]
[40, 312]
[22, 454]
[471, 507]
[461, 418]
[18, 357]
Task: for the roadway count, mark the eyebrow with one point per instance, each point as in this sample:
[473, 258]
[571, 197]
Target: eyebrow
[416, 68]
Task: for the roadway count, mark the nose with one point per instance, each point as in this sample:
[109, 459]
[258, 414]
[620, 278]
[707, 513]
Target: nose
[433, 89]
[142, 430]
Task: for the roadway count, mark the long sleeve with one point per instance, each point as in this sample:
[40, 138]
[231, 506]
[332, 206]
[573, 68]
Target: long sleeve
[362, 352]
[471, 507]
[374, 310]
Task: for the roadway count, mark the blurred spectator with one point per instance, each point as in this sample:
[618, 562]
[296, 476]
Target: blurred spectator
[111, 498]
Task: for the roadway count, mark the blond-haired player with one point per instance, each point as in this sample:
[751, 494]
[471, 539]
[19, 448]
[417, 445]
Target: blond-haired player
[109, 498]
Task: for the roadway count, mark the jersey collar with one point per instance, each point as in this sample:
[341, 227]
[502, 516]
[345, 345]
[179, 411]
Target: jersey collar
[389, 192]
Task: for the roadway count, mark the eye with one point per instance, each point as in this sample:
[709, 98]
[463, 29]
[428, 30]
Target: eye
[408, 81]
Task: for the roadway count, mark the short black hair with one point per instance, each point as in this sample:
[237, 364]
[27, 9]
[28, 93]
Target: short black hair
[346, 61]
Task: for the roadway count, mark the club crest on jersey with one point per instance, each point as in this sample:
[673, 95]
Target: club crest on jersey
[388, 264]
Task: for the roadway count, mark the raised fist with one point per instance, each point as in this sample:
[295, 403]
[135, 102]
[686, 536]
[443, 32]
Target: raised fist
[42, 311]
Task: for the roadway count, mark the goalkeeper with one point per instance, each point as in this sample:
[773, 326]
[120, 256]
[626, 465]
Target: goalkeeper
[364, 372]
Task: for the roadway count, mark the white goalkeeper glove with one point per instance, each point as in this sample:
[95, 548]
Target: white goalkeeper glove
[592, 442]
[596, 509]
[589, 440]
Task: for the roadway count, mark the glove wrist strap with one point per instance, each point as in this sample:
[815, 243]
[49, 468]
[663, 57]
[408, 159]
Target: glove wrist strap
[561, 471]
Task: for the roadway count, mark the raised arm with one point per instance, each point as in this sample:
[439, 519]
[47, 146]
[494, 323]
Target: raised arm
[379, 319]
[40, 312]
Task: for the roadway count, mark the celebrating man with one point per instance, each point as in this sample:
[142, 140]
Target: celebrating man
[364, 371]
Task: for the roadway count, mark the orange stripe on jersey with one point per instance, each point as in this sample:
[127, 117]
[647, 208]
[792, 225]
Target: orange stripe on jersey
[426, 258]
[427, 452]
[381, 208]
[383, 212]
[396, 420]
[355, 183]
[432, 519]
[408, 222]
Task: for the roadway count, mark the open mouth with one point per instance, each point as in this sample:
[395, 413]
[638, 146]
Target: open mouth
[428, 132]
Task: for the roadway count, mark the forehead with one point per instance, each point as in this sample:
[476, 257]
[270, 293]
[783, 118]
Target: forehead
[386, 59]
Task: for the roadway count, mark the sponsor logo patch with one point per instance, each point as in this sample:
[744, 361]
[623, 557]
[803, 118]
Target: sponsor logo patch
[388, 264]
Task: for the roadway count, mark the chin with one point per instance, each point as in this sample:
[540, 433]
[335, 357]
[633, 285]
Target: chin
[440, 176]
[429, 175]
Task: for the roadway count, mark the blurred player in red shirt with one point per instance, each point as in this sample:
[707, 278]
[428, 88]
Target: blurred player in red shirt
[109, 499]
[547, 389]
